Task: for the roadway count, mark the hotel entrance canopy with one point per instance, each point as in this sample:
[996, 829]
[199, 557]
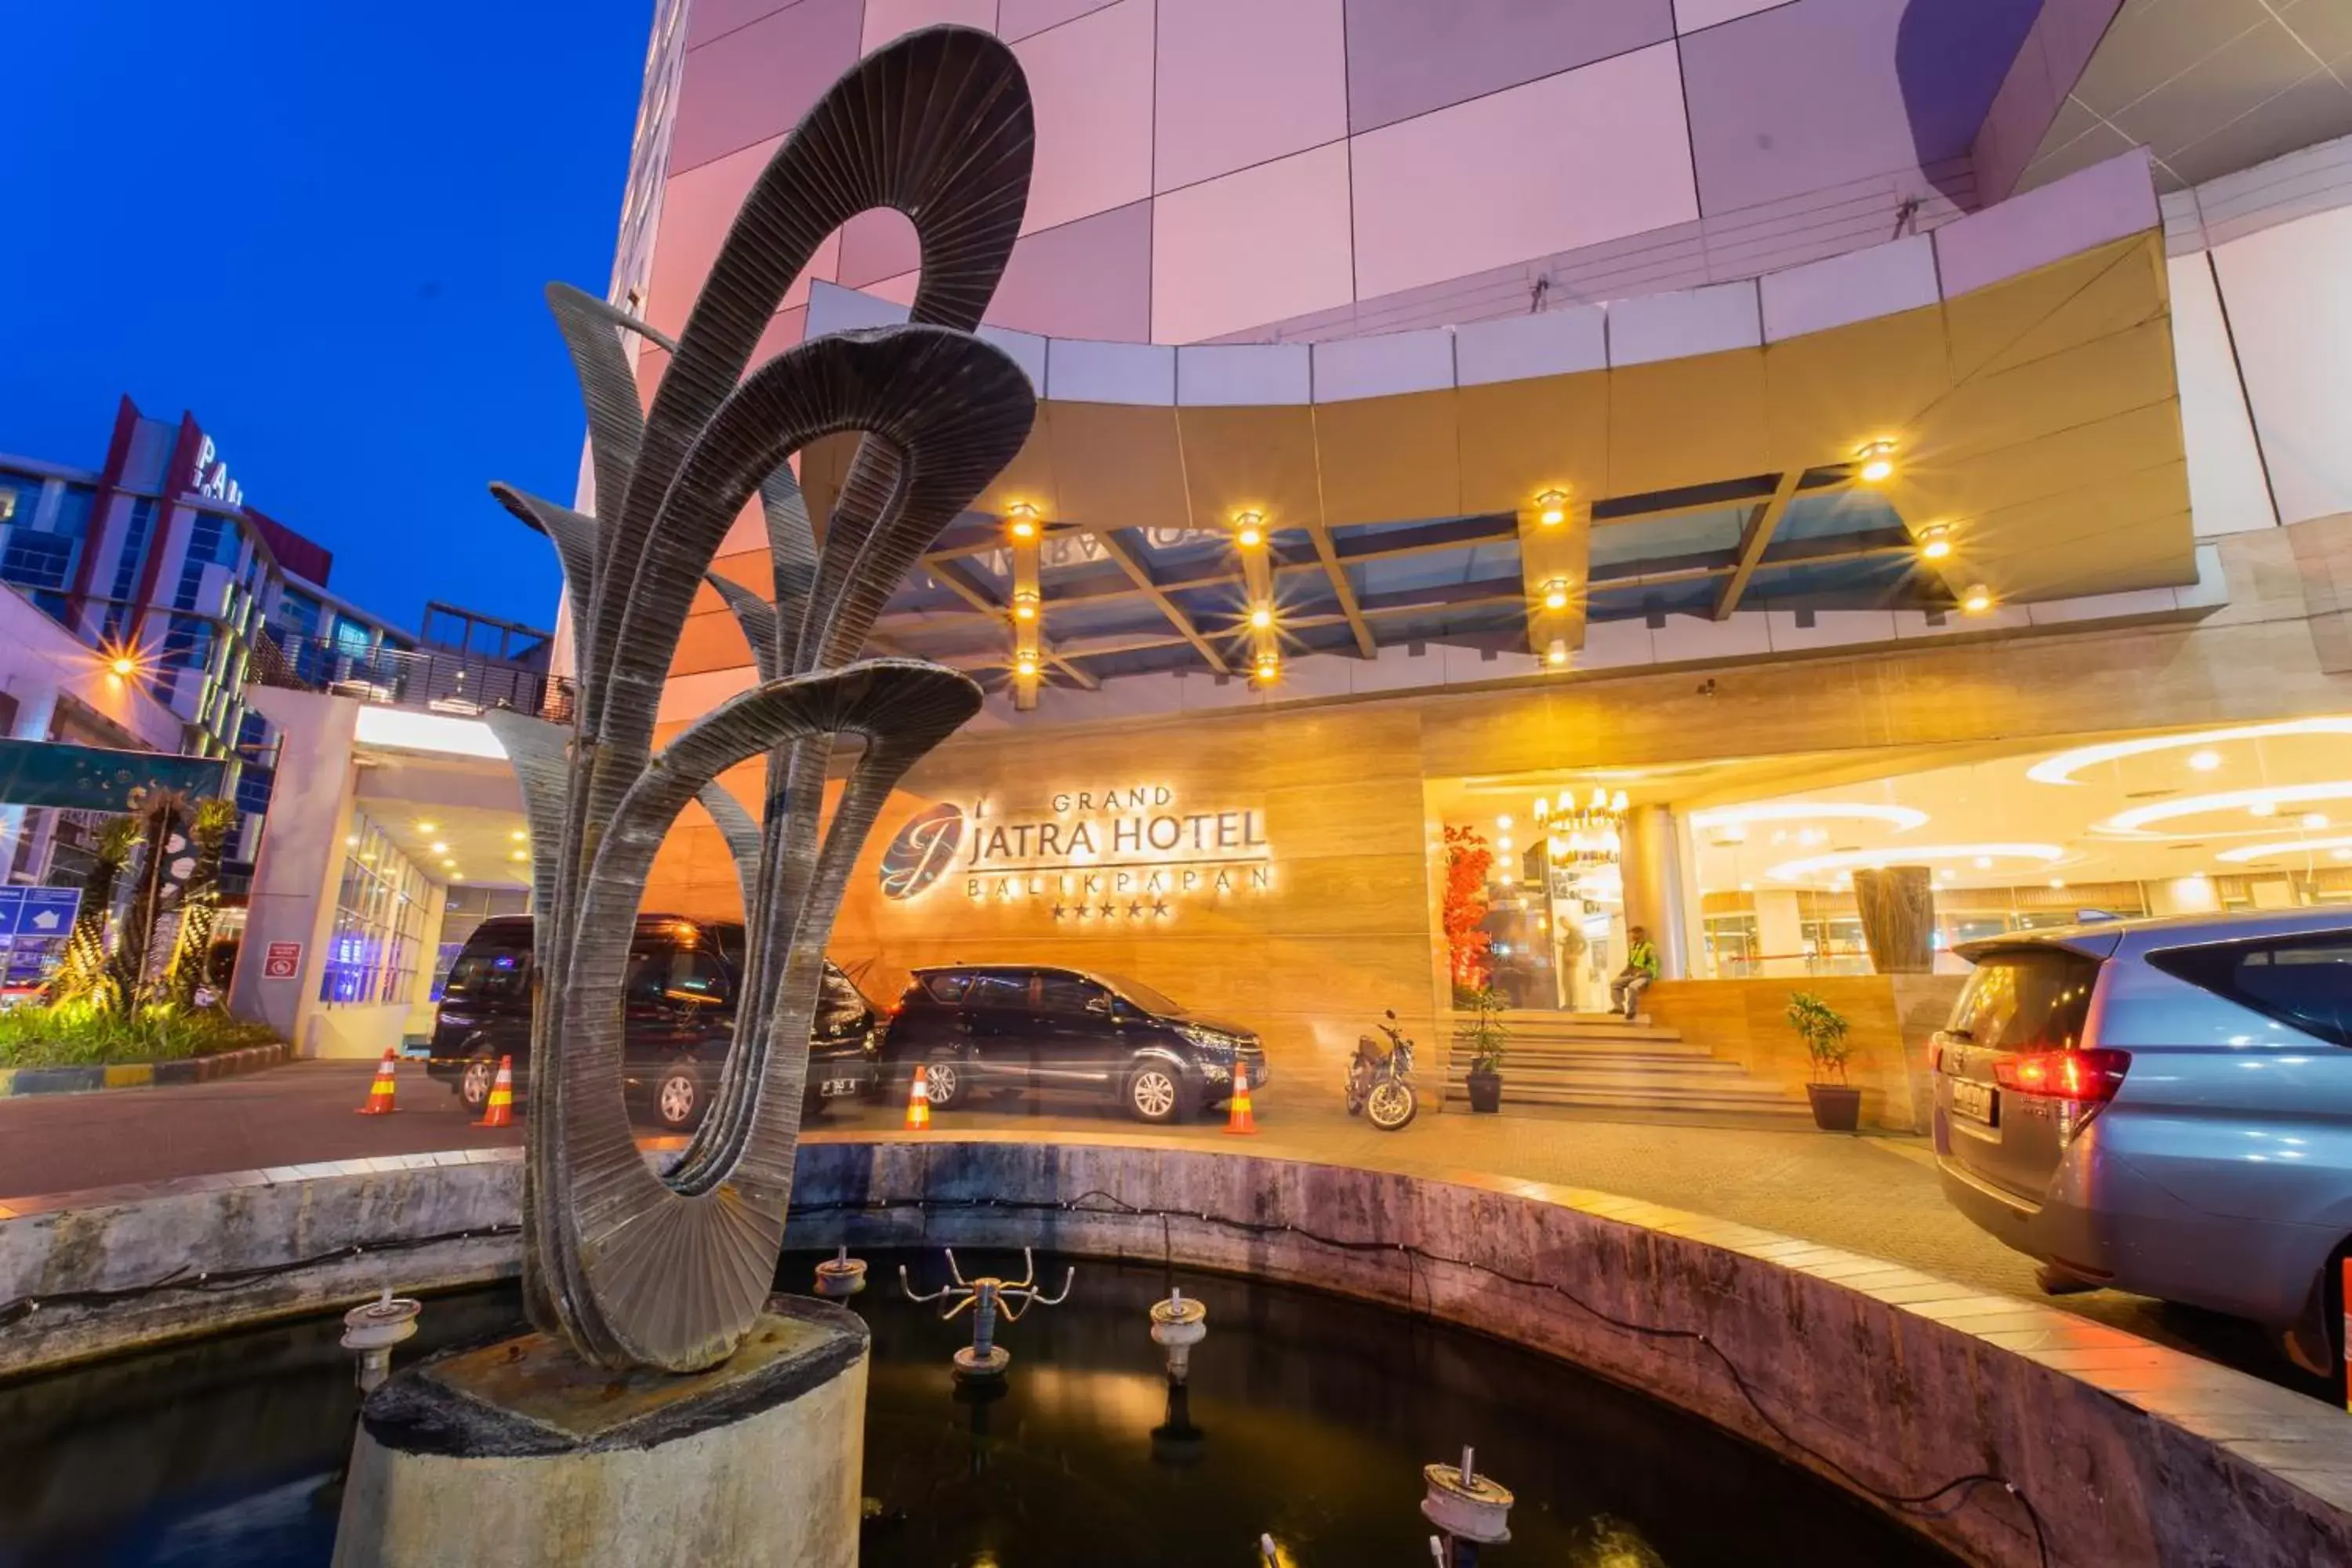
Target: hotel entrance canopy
[1508, 484]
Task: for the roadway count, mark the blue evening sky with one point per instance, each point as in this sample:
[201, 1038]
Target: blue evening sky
[323, 229]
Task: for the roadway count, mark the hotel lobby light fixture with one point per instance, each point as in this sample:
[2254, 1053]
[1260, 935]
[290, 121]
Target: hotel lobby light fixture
[1249, 529]
[1269, 669]
[1261, 617]
[1552, 507]
[1025, 665]
[1025, 605]
[1875, 461]
[1977, 600]
[1021, 519]
[2204, 762]
[1556, 656]
[1935, 543]
[1555, 594]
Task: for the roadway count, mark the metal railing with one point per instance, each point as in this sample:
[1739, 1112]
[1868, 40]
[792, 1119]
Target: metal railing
[430, 678]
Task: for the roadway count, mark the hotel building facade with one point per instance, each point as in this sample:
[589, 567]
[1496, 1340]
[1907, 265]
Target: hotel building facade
[1713, 459]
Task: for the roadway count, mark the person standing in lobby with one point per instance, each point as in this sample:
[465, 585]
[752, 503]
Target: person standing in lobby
[1640, 968]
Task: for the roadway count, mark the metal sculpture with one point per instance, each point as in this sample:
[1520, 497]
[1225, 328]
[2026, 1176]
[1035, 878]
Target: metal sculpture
[631, 1267]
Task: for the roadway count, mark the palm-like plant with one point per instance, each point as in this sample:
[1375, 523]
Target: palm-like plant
[208, 831]
[82, 973]
[671, 1271]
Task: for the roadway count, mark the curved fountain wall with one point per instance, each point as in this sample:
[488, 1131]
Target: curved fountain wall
[1884, 1380]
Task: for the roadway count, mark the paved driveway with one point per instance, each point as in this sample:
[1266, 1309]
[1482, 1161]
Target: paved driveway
[1873, 1196]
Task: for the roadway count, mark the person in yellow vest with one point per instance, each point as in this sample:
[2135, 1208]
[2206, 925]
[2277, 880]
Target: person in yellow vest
[1640, 968]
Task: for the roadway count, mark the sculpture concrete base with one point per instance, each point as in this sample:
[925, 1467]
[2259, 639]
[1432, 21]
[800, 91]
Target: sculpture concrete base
[517, 1454]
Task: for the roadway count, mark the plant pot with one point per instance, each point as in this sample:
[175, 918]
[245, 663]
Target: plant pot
[1837, 1107]
[1486, 1091]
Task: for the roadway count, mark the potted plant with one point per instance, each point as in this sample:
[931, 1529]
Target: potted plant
[1837, 1107]
[1485, 1034]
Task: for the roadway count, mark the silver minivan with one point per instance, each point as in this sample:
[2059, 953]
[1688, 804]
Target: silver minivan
[2165, 1107]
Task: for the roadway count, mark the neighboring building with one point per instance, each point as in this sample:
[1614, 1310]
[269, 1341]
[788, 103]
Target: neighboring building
[146, 605]
[156, 556]
[1863, 433]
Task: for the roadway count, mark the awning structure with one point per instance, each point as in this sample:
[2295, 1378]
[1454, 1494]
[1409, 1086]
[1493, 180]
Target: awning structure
[1504, 484]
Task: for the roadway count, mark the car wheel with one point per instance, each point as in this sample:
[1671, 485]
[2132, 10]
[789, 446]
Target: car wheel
[474, 1085]
[946, 1081]
[678, 1096]
[1155, 1092]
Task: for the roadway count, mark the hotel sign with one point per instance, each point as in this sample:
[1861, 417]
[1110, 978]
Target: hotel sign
[1130, 853]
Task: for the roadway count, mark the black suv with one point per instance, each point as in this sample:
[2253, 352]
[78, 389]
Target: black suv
[679, 1003]
[1015, 1027]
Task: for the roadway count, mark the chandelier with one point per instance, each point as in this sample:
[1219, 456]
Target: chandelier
[1587, 832]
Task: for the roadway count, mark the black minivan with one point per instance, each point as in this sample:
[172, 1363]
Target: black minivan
[1012, 1028]
[679, 1001]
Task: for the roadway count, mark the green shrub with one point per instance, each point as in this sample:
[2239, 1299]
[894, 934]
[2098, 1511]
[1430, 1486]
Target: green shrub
[1823, 1029]
[77, 1034]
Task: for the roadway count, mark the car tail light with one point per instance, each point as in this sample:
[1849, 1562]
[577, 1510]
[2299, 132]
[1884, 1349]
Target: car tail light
[2083, 1077]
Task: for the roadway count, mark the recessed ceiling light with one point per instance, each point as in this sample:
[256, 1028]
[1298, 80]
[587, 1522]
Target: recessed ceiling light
[2204, 762]
[2263, 808]
[2314, 819]
[440, 848]
[2060, 769]
[427, 826]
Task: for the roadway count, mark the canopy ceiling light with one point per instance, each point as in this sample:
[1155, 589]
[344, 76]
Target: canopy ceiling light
[1877, 461]
[2140, 817]
[1977, 600]
[1846, 861]
[1553, 505]
[2060, 769]
[1902, 818]
[1249, 529]
[1021, 519]
[1935, 543]
[2282, 847]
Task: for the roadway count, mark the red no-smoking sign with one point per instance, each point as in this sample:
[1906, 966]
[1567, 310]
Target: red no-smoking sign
[282, 960]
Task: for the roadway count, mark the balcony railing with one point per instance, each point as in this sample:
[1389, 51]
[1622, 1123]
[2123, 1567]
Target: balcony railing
[429, 679]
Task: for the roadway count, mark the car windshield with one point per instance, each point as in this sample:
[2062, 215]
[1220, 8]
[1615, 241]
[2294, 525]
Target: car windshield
[1142, 995]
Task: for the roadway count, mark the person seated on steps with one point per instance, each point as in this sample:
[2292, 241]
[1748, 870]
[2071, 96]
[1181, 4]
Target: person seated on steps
[1640, 968]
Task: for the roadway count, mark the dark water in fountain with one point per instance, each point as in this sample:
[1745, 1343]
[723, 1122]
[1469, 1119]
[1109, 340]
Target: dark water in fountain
[1305, 1416]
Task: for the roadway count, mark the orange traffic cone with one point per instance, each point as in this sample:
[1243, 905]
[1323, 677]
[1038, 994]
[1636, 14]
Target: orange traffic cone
[919, 1103]
[499, 1111]
[380, 1092]
[1239, 1118]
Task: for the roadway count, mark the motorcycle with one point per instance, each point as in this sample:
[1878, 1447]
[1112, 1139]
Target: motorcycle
[1380, 1080]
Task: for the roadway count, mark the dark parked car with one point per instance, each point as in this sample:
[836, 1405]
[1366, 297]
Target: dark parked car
[680, 1010]
[1015, 1027]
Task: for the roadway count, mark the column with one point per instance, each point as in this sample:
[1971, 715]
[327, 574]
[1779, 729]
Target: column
[1653, 886]
[1780, 930]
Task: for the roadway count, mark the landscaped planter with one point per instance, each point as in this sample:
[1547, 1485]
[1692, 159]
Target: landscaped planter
[1486, 1091]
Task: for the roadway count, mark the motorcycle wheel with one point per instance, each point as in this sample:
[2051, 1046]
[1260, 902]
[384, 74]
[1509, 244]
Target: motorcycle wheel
[1392, 1104]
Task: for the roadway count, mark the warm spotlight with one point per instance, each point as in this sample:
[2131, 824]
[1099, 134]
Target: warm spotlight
[1554, 508]
[1249, 530]
[1876, 460]
[1261, 617]
[1021, 519]
[1977, 600]
[1935, 543]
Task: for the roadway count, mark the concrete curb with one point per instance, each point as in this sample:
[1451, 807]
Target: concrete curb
[140, 1075]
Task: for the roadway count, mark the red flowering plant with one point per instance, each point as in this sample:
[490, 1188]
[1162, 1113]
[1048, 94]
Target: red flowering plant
[1467, 863]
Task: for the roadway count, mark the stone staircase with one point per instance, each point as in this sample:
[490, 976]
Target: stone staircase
[1600, 1064]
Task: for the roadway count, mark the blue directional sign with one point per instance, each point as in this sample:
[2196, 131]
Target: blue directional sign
[38, 912]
